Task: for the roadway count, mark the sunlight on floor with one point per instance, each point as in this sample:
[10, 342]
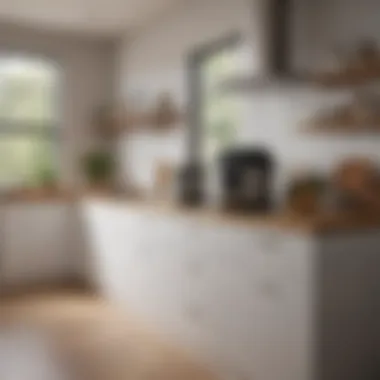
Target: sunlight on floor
[85, 338]
[26, 354]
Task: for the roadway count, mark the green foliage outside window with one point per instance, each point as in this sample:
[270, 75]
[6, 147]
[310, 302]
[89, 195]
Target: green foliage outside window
[220, 111]
[27, 117]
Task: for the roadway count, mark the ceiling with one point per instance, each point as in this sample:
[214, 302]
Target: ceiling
[103, 17]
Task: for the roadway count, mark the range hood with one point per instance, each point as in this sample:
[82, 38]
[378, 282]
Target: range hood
[273, 22]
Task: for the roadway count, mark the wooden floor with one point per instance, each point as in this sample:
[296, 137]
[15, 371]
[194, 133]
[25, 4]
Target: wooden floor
[96, 340]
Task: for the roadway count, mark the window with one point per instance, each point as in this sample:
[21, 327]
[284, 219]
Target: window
[216, 115]
[220, 111]
[28, 120]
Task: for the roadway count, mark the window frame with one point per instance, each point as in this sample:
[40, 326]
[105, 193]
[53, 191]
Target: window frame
[50, 132]
[195, 61]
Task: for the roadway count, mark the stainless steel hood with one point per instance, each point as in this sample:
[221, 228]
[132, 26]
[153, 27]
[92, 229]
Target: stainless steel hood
[272, 22]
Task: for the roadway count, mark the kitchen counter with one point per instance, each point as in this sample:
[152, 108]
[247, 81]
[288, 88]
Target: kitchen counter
[270, 295]
[38, 197]
[323, 223]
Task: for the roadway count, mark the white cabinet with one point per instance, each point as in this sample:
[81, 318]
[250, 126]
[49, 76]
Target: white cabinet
[35, 243]
[237, 295]
[258, 303]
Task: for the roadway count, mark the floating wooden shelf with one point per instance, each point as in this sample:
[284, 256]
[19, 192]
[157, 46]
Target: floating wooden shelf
[360, 68]
[347, 80]
[112, 119]
[341, 131]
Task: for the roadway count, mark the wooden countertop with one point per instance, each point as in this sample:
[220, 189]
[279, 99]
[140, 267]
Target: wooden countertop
[323, 223]
[38, 197]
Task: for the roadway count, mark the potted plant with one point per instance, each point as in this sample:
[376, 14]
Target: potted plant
[99, 167]
[305, 194]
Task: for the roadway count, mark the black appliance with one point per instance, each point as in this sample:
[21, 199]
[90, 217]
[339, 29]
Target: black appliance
[246, 177]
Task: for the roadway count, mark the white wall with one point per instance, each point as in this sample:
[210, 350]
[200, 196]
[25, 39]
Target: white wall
[87, 72]
[156, 60]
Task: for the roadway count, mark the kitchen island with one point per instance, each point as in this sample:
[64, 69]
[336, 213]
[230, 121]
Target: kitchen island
[263, 298]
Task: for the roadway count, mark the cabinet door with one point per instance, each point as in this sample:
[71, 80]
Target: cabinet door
[283, 294]
[35, 243]
[155, 261]
[253, 301]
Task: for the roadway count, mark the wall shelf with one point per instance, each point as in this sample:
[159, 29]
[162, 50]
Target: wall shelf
[347, 81]
[342, 131]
